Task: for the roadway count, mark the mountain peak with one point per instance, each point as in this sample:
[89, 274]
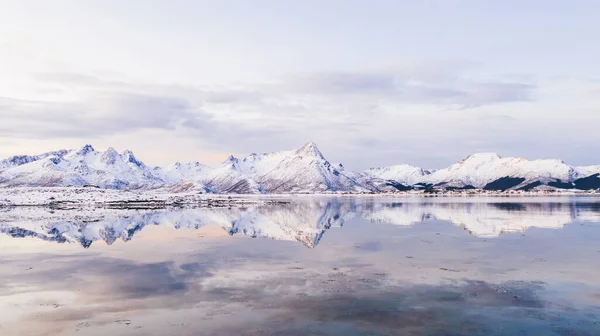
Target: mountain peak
[481, 157]
[302, 170]
[86, 149]
[110, 156]
[231, 160]
[310, 149]
[129, 157]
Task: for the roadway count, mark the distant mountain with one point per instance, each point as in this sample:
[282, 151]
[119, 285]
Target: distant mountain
[82, 167]
[305, 170]
[181, 171]
[399, 177]
[490, 171]
[19, 160]
[229, 177]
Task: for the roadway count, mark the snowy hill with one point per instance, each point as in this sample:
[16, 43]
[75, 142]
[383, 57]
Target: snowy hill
[230, 178]
[83, 167]
[181, 171]
[490, 171]
[405, 174]
[480, 169]
[302, 170]
[305, 170]
[19, 160]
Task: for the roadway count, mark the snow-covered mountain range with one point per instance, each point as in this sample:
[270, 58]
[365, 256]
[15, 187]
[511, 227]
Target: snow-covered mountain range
[305, 170]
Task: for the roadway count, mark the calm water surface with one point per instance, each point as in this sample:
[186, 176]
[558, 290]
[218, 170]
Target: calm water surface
[316, 266]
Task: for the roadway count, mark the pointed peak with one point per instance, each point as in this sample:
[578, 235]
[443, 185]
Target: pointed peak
[109, 156]
[86, 149]
[111, 151]
[231, 160]
[310, 149]
[310, 144]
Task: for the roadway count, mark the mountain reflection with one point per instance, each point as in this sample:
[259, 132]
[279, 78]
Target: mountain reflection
[304, 221]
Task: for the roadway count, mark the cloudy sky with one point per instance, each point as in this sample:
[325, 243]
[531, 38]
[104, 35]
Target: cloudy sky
[371, 82]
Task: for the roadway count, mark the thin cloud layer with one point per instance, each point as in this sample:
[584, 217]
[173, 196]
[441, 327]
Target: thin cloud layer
[412, 87]
[386, 116]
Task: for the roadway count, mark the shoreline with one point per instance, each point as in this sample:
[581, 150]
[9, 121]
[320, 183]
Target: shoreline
[73, 197]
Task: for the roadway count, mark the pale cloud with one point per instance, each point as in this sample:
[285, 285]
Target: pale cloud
[395, 115]
[412, 86]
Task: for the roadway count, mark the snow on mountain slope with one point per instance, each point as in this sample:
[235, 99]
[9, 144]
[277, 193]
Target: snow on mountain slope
[306, 170]
[184, 177]
[85, 166]
[46, 172]
[302, 170]
[229, 178]
[188, 171]
[19, 160]
[583, 171]
[480, 169]
[110, 169]
[255, 165]
[236, 175]
[405, 174]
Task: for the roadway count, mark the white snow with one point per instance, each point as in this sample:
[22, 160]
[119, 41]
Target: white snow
[405, 174]
[305, 170]
[480, 169]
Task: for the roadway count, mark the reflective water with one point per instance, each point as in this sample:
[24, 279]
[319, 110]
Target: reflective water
[316, 266]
